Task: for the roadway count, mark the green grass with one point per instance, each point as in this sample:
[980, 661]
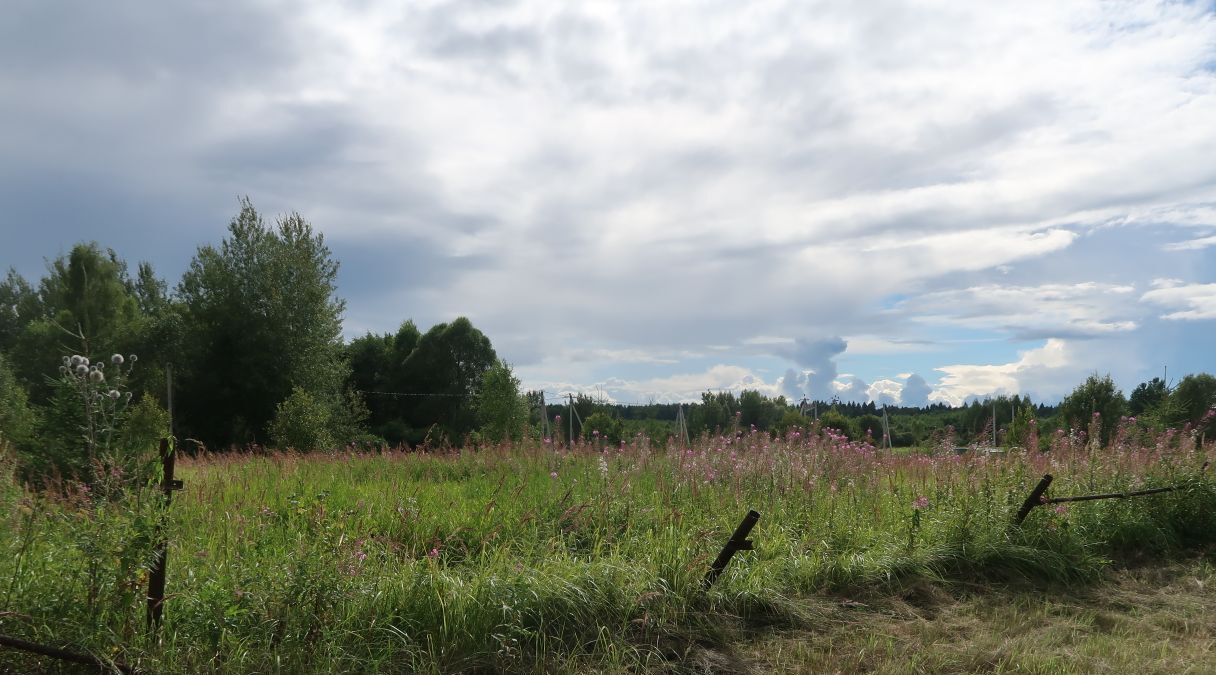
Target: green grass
[544, 559]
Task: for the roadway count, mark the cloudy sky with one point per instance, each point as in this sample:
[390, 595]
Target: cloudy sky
[873, 200]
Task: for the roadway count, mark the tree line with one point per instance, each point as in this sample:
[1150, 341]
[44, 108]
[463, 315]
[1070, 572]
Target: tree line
[252, 334]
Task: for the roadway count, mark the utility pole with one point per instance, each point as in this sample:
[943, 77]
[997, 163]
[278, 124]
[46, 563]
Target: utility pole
[571, 436]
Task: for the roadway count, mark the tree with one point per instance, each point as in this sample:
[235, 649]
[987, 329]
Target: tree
[260, 318]
[18, 306]
[1098, 395]
[834, 419]
[444, 370]
[1190, 402]
[502, 413]
[84, 305]
[17, 419]
[1147, 396]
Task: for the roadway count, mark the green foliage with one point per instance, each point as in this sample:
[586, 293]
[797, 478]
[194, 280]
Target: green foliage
[502, 412]
[1191, 402]
[86, 302]
[1099, 396]
[259, 318]
[1147, 396]
[834, 419]
[603, 428]
[301, 422]
[791, 419]
[18, 306]
[81, 435]
[432, 379]
[17, 420]
[531, 560]
[870, 426]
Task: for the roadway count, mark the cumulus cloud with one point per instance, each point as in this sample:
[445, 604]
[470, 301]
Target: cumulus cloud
[915, 391]
[1191, 302]
[600, 186]
[852, 389]
[884, 392]
[817, 359]
[1057, 361]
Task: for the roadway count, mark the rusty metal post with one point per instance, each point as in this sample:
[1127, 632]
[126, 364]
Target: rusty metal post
[737, 542]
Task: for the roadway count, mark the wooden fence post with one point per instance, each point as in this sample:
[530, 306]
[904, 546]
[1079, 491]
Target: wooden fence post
[1035, 498]
[160, 561]
[737, 542]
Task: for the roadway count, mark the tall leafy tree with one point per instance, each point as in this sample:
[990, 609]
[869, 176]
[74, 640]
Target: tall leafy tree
[84, 305]
[502, 413]
[445, 371]
[260, 317]
[1097, 395]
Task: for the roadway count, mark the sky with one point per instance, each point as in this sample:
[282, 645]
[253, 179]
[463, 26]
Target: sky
[642, 201]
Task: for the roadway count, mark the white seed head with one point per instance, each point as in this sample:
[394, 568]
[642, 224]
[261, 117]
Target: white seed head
[116, 359]
[63, 370]
[84, 360]
[82, 369]
[114, 394]
[67, 361]
[132, 358]
[76, 359]
[97, 376]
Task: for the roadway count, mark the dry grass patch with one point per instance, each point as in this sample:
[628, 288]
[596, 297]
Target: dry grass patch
[1145, 619]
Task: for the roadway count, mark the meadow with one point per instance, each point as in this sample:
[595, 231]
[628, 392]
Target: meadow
[547, 558]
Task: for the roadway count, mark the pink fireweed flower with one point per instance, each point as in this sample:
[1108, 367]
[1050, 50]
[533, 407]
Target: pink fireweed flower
[434, 553]
[1061, 509]
[921, 503]
[553, 474]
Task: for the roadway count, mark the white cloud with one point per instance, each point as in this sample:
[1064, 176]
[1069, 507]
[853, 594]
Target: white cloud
[605, 185]
[1191, 244]
[1080, 309]
[1033, 366]
[884, 391]
[1191, 301]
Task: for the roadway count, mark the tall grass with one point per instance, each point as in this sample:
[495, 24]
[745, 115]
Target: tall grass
[547, 558]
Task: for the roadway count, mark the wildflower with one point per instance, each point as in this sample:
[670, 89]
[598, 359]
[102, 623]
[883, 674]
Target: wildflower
[97, 376]
[114, 394]
[116, 359]
[921, 503]
[553, 474]
[132, 358]
[82, 369]
[434, 553]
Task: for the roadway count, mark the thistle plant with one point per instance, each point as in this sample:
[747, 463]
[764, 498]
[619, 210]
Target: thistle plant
[90, 406]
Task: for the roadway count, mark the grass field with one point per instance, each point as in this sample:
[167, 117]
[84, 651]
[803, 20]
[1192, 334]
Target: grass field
[545, 558]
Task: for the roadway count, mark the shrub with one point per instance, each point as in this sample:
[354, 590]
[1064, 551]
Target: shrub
[301, 422]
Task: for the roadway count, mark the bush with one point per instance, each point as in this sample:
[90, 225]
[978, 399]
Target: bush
[301, 422]
[17, 419]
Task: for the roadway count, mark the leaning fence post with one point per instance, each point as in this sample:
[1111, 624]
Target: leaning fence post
[1034, 499]
[737, 542]
[160, 559]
